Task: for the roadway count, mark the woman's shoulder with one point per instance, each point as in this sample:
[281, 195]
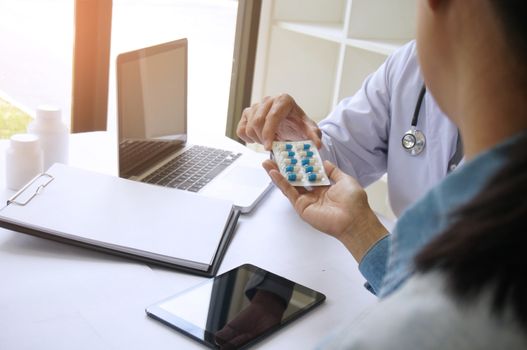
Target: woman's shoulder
[423, 315]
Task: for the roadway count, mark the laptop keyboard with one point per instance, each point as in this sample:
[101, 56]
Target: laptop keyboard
[192, 169]
[137, 156]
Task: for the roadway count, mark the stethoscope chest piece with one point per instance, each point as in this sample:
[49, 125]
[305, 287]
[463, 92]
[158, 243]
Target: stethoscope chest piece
[413, 141]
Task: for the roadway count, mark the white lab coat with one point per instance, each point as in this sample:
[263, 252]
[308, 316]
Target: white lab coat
[362, 135]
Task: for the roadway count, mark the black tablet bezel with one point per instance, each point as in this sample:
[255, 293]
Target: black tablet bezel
[201, 335]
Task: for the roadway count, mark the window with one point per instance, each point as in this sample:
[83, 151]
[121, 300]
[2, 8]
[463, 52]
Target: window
[209, 26]
[36, 41]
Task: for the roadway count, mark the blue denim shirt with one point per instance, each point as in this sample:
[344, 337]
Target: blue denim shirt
[390, 261]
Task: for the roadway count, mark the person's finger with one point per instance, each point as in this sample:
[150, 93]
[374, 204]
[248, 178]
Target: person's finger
[249, 128]
[225, 334]
[269, 165]
[334, 173]
[242, 125]
[308, 127]
[244, 129]
[238, 341]
[313, 133]
[281, 182]
[287, 189]
[280, 109]
[259, 118]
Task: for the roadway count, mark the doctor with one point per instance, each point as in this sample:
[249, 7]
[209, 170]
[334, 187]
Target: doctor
[390, 125]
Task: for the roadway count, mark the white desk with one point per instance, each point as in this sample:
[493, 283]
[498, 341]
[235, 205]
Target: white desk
[55, 296]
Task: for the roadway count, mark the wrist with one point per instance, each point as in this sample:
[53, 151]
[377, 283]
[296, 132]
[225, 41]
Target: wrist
[363, 234]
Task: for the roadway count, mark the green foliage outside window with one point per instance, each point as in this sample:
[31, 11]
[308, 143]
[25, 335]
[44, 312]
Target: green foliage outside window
[12, 120]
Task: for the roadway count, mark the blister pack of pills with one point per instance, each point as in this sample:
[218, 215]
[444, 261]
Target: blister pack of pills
[300, 163]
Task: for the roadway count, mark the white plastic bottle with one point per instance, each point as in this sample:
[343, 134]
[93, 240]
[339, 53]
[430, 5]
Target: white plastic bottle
[53, 135]
[24, 160]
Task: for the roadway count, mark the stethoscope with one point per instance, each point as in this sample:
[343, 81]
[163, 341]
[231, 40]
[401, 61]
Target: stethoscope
[414, 140]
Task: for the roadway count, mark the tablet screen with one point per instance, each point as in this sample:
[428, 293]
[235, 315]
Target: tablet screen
[236, 309]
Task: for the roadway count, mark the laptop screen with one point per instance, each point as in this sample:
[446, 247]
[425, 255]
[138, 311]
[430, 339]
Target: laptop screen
[151, 105]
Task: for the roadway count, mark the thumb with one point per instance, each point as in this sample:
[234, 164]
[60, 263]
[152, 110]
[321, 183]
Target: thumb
[312, 133]
[334, 173]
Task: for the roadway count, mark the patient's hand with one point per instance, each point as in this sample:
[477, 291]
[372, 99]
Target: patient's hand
[266, 310]
[340, 210]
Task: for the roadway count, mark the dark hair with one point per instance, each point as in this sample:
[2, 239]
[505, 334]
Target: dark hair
[485, 247]
[512, 15]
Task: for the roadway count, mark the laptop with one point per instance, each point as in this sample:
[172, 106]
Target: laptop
[152, 129]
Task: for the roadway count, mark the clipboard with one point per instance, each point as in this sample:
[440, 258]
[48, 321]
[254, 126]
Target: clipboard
[168, 227]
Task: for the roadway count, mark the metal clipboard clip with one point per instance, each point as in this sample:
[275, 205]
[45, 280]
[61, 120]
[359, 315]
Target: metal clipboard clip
[39, 189]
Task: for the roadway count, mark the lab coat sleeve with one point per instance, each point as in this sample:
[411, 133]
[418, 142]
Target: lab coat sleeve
[355, 134]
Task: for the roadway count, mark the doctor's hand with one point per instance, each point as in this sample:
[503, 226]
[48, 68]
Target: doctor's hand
[277, 118]
[340, 210]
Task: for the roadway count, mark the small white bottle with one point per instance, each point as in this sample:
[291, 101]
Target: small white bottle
[53, 135]
[24, 160]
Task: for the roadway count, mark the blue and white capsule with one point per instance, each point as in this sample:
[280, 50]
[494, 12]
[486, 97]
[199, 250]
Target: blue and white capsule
[292, 168]
[311, 168]
[304, 146]
[289, 154]
[308, 161]
[312, 177]
[306, 154]
[285, 147]
[289, 161]
[294, 177]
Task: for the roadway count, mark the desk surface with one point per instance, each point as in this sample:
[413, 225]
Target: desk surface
[55, 296]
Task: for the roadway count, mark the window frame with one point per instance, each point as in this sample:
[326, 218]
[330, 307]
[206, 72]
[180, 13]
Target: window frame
[91, 65]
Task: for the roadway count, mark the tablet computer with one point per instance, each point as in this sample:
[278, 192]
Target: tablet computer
[236, 309]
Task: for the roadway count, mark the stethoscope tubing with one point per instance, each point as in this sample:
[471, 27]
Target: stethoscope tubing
[418, 105]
